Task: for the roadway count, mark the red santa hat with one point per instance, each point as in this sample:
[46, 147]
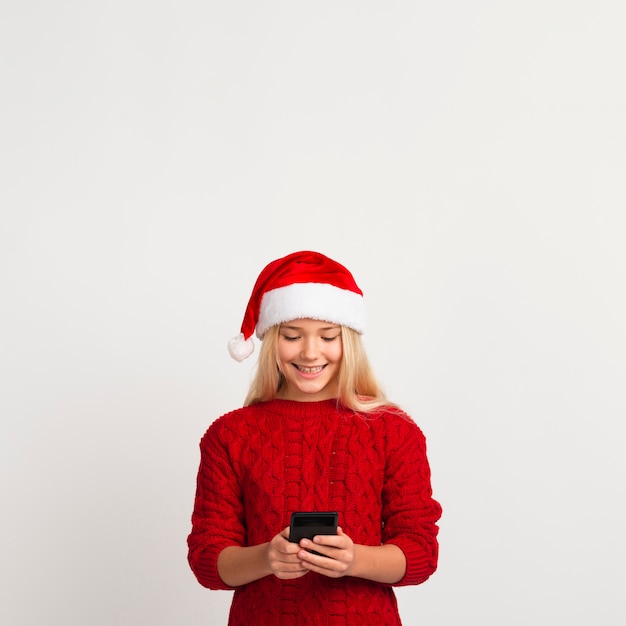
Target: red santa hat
[300, 285]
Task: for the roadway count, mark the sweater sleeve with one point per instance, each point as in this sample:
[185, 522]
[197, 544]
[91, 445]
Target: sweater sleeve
[217, 518]
[409, 511]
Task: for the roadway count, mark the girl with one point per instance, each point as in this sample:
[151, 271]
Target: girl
[315, 434]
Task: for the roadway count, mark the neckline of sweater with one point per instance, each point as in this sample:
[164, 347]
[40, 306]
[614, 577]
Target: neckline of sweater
[303, 409]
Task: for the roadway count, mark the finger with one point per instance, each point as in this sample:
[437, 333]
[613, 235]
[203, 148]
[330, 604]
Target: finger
[323, 565]
[289, 555]
[291, 575]
[308, 558]
[334, 541]
[290, 548]
[291, 567]
[312, 551]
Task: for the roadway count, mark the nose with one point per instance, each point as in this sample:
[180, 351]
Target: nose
[309, 348]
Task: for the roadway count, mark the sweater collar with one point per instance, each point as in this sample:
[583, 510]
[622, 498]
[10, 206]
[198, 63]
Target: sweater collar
[302, 409]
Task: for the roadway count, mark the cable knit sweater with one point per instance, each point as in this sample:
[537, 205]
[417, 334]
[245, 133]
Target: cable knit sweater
[262, 462]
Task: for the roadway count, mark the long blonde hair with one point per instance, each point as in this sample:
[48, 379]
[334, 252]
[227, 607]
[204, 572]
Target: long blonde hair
[358, 387]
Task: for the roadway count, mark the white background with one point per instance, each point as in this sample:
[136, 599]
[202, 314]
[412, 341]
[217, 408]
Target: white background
[466, 160]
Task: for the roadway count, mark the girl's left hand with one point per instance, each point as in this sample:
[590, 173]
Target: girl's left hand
[337, 552]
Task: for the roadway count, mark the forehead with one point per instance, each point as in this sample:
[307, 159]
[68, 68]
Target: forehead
[310, 325]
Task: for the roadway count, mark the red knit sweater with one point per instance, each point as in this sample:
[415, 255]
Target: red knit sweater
[262, 462]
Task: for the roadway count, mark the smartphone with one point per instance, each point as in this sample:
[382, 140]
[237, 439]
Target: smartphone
[305, 525]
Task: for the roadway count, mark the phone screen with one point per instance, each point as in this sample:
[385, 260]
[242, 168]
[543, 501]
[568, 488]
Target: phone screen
[308, 524]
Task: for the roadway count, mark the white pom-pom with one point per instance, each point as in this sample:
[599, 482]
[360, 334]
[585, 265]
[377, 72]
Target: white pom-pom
[240, 348]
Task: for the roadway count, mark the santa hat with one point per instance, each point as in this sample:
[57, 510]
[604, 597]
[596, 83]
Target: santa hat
[301, 285]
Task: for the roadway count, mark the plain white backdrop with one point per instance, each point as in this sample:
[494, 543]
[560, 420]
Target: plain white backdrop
[466, 160]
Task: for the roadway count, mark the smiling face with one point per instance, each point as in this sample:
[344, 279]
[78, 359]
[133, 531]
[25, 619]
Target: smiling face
[309, 356]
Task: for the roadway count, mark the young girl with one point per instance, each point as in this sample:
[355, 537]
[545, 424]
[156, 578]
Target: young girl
[315, 434]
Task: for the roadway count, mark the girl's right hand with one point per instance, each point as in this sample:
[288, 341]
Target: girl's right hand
[282, 557]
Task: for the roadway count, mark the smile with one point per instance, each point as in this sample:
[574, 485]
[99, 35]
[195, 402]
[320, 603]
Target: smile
[310, 370]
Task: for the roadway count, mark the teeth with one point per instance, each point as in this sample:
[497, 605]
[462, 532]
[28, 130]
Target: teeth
[310, 370]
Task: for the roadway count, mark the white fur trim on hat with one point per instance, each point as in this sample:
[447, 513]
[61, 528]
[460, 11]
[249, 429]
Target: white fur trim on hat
[319, 301]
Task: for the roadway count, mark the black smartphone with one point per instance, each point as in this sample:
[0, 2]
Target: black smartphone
[305, 525]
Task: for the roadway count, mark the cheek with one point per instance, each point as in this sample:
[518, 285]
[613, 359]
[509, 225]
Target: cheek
[284, 351]
[335, 353]
[287, 355]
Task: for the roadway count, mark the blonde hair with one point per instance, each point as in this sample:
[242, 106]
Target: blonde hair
[359, 389]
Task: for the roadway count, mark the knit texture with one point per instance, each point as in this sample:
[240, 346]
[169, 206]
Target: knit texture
[262, 462]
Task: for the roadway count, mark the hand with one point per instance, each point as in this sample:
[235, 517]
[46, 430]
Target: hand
[282, 557]
[337, 554]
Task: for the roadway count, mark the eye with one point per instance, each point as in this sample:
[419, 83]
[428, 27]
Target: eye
[290, 338]
[329, 339]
